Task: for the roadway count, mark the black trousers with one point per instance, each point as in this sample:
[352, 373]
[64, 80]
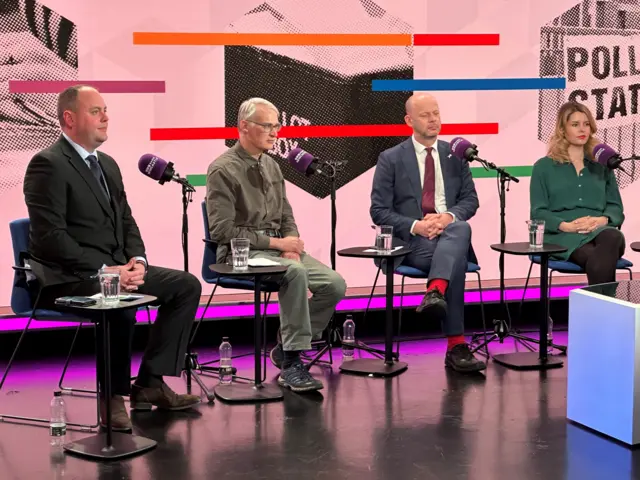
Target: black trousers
[178, 295]
[599, 257]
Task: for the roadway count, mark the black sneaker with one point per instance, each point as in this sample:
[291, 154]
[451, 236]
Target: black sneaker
[460, 359]
[298, 379]
[276, 355]
[433, 300]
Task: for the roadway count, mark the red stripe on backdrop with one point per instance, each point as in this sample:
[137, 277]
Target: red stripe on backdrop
[322, 131]
[456, 39]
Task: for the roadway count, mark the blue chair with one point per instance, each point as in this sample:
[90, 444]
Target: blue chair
[25, 288]
[565, 266]
[217, 280]
[410, 272]
[267, 288]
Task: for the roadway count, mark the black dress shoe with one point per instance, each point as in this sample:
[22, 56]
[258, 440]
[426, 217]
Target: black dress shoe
[460, 359]
[433, 300]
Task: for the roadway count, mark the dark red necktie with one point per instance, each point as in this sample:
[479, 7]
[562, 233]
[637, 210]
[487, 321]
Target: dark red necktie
[429, 185]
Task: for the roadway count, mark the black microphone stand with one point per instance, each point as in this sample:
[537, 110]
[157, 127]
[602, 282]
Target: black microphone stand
[501, 328]
[187, 198]
[330, 169]
[191, 359]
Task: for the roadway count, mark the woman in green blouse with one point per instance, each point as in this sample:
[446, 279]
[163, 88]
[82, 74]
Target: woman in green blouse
[578, 198]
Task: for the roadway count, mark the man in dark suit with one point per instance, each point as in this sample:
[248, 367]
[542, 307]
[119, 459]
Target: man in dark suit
[427, 195]
[80, 221]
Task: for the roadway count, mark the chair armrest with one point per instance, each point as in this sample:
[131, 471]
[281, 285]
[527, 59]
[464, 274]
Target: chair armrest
[21, 269]
[208, 241]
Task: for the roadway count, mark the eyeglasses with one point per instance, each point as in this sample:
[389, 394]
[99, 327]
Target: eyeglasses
[268, 127]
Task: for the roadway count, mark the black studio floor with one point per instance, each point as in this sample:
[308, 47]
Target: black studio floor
[427, 423]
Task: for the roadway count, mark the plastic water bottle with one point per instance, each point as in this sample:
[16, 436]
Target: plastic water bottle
[225, 362]
[348, 338]
[58, 423]
[550, 335]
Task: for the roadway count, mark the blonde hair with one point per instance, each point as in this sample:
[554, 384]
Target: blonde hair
[559, 145]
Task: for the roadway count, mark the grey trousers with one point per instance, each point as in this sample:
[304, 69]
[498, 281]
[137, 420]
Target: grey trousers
[302, 318]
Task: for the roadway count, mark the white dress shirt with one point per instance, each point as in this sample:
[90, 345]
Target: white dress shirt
[421, 156]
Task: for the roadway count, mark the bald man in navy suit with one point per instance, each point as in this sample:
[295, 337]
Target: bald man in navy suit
[427, 195]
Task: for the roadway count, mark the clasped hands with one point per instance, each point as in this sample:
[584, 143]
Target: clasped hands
[584, 224]
[291, 247]
[131, 274]
[432, 225]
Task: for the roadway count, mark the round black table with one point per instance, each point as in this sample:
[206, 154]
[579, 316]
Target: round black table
[110, 445]
[375, 366]
[256, 391]
[635, 246]
[533, 360]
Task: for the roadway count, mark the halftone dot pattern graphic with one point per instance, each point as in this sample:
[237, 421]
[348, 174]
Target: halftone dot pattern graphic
[320, 85]
[588, 45]
[36, 43]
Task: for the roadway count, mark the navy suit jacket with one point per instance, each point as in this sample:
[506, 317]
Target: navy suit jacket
[396, 196]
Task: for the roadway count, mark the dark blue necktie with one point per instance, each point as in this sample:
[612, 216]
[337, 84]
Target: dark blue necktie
[94, 166]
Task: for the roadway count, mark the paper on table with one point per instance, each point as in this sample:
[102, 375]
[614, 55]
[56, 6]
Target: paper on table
[98, 296]
[375, 250]
[262, 262]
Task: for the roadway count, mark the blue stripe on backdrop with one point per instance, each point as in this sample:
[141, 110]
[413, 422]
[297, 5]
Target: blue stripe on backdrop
[548, 83]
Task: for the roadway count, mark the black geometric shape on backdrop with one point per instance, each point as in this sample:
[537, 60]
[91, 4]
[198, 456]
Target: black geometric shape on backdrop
[309, 95]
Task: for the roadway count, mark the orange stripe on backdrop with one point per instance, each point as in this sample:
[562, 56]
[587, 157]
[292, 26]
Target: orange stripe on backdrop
[348, 39]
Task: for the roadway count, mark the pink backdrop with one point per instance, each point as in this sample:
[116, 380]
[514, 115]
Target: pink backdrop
[195, 97]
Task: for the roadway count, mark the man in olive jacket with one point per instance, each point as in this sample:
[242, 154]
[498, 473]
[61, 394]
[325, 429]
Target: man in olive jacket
[246, 198]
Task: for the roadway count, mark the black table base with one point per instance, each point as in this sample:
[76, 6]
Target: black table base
[122, 445]
[390, 365]
[248, 392]
[527, 361]
[373, 366]
[256, 391]
[539, 360]
[110, 445]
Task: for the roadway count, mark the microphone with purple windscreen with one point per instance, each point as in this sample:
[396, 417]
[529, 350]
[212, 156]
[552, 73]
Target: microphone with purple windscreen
[303, 161]
[464, 149]
[607, 156]
[158, 169]
[155, 168]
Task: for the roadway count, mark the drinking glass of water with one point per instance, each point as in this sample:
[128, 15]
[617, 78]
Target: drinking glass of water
[109, 286]
[536, 233]
[240, 253]
[384, 238]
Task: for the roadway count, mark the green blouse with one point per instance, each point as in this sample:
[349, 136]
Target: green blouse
[559, 194]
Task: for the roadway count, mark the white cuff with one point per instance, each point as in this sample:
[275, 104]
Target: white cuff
[413, 226]
[454, 217]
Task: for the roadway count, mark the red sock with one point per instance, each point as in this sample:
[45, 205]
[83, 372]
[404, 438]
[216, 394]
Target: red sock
[454, 340]
[438, 284]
